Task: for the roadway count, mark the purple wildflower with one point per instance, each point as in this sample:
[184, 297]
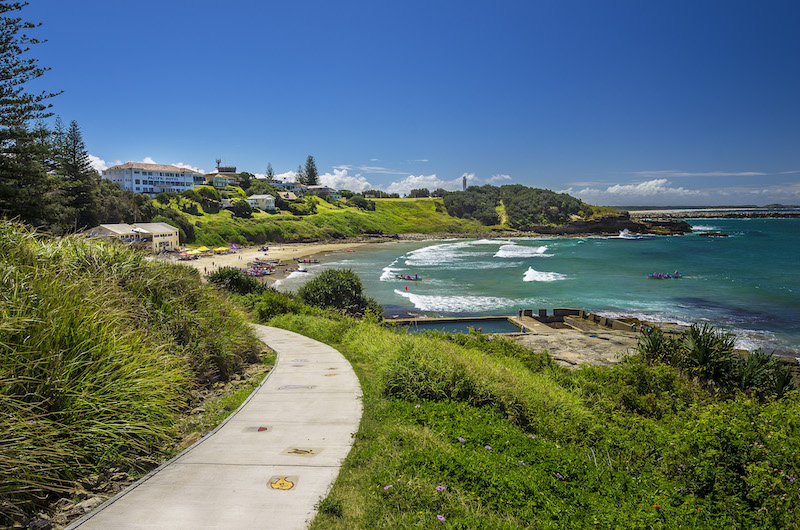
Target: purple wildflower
[531, 436]
[417, 406]
[559, 475]
[388, 487]
[462, 440]
[441, 488]
[487, 446]
[440, 517]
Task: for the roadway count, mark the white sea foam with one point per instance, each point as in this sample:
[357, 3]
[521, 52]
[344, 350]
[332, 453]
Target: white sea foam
[512, 250]
[445, 253]
[434, 255]
[388, 273]
[704, 228]
[532, 275]
[488, 242]
[478, 265]
[459, 304]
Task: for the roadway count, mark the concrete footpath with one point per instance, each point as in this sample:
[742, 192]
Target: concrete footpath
[267, 465]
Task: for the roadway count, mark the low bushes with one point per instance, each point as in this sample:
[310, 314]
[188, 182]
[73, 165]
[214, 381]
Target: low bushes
[707, 354]
[470, 432]
[339, 289]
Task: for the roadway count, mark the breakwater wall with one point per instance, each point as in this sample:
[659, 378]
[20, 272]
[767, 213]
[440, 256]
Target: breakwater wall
[714, 214]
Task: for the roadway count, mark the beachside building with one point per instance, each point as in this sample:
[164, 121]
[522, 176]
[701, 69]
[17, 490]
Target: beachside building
[262, 202]
[151, 178]
[324, 192]
[154, 237]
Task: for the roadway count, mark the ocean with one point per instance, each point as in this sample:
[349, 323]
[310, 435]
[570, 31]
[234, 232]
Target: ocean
[747, 283]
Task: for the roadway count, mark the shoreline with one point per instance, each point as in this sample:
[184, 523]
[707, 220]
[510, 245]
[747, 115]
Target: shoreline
[285, 252]
[320, 250]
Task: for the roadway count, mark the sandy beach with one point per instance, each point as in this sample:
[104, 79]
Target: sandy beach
[286, 252]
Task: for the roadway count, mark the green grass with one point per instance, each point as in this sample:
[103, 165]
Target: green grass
[332, 221]
[99, 349]
[484, 435]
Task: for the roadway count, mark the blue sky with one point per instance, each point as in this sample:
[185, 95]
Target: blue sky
[615, 102]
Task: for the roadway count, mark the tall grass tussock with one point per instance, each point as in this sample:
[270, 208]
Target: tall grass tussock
[99, 348]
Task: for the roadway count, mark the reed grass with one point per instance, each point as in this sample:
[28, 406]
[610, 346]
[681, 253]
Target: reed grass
[99, 348]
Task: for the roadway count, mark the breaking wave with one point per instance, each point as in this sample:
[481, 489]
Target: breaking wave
[512, 250]
[532, 275]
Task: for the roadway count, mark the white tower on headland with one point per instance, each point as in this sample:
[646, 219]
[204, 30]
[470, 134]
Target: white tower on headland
[464, 182]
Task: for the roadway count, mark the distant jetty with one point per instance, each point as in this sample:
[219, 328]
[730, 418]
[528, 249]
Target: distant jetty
[782, 212]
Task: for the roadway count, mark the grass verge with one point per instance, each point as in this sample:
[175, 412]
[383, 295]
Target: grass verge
[483, 436]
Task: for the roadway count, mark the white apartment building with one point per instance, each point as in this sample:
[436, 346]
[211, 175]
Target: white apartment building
[151, 178]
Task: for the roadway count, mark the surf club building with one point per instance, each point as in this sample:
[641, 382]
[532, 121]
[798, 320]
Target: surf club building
[154, 237]
[152, 178]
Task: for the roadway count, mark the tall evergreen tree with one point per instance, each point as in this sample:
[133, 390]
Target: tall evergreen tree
[312, 177]
[300, 175]
[80, 179]
[23, 182]
[270, 173]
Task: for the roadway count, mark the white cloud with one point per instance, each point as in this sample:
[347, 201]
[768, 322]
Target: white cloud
[148, 160]
[498, 178]
[671, 173]
[371, 169]
[289, 176]
[187, 166]
[431, 182]
[340, 180]
[97, 163]
[656, 191]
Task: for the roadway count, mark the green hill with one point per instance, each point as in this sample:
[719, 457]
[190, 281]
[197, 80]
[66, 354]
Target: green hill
[203, 222]
[331, 221]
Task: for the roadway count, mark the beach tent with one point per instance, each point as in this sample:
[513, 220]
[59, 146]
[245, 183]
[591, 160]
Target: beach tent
[221, 249]
[203, 249]
[234, 246]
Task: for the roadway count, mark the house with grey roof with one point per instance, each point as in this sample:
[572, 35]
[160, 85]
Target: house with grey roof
[262, 202]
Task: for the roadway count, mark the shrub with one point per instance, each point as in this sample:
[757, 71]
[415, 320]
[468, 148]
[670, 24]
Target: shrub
[707, 353]
[338, 289]
[236, 281]
[242, 208]
[273, 303]
[191, 195]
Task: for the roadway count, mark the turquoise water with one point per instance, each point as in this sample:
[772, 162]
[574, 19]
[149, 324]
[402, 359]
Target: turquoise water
[747, 283]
